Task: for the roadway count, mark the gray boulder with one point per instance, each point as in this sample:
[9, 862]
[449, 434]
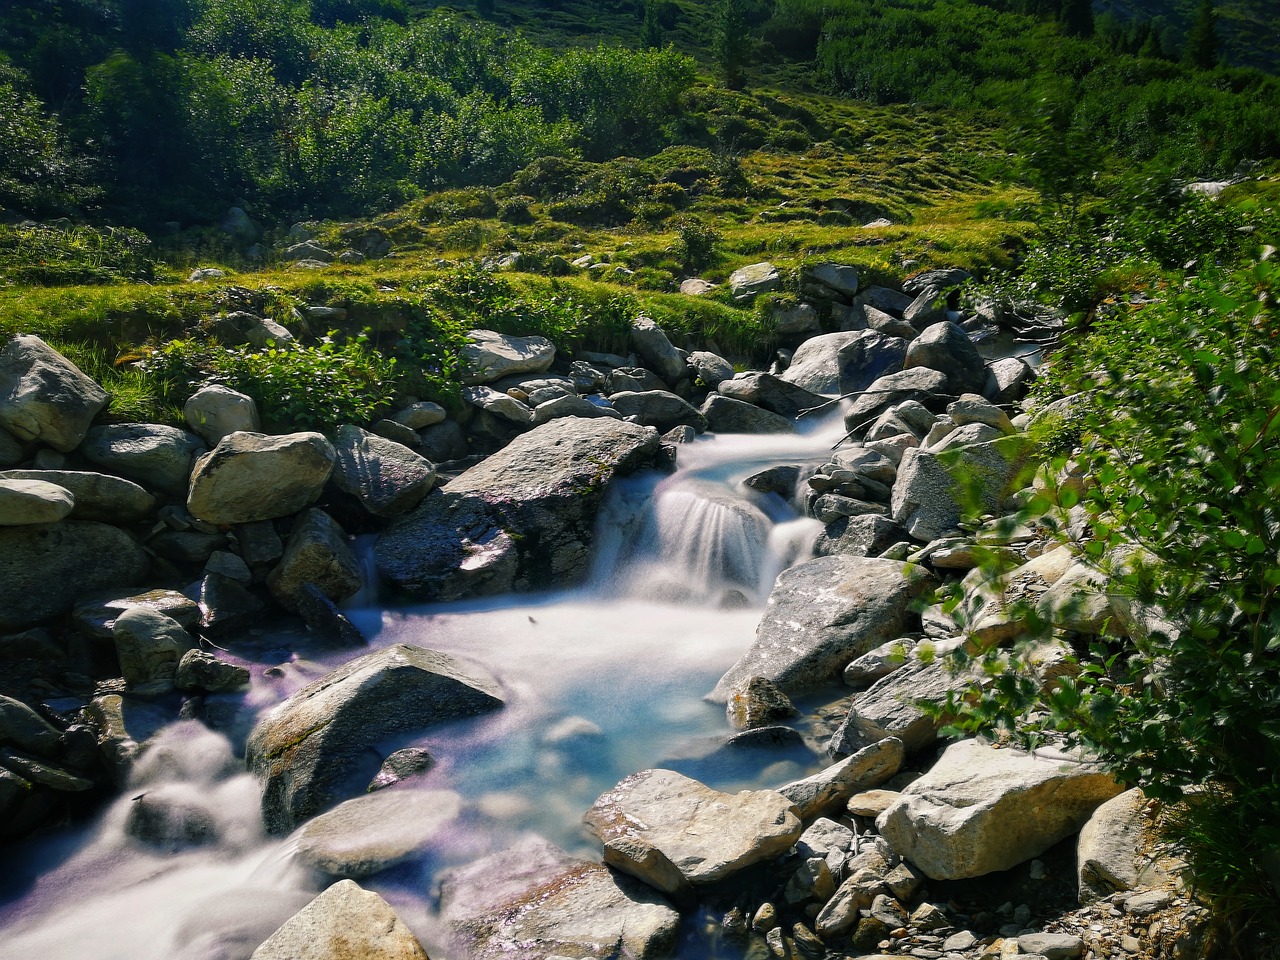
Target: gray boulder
[709, 369]
[829, 281]
[867, 356]
[313, 749]
[1118, 849]
[946, 347]
[22, 727]
[788, 318]
[679, 835]
[46, 567]
[33, 501]
[419, 415]
[824, 613]
[216, 410]
[317, 552]
[924, 385]
[747, 282]
[343, 923]
[816, 363]
[634, 379]
[240, 326]
[942, 279]
[892, 302]
[11, 453]
[522, 519]
[149, 646]
[1008, 380]
[726, 415]
[979, 810]
[772, 393]
[929, 307]
[534, 902]
[202, 672]
[251, 476]
[829, 790]
[44, 397]
[660, 409]
[499, 404]
[387, 478]
[98, 496]
[491, 356]
[658, 353]
[154, 455]
[95, 615]
[572, 406]
[369, 834]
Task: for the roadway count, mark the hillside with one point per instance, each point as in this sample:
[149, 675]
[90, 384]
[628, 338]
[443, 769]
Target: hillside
[1247, 27]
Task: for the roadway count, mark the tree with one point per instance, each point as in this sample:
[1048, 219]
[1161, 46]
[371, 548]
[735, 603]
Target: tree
[1202, 41]
[651, 29]
[1077, 17]
[731, 40]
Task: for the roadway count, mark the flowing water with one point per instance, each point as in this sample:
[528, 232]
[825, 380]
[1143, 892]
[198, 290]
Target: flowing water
[600, 682]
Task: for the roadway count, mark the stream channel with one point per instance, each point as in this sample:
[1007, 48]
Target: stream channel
[601, 681]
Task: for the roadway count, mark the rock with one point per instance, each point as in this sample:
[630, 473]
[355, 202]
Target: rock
[944, 279]
[312, 748]
[402, 765]
[202, 672]
[96, 615]
[816, 362]
[678, 835]
[659, 409]
[830, 281]
[214, 411]
[880, 662]
[369, 834]
[756, 702]
[11, 453]
[225, 604]
[44, 397]
[934, 491]
[871, 803]
[888, 324]
[772, 393]
[120, 725]
[417, 416]
[33, 501]
[922, 384]
[709, 369]
[1147, 902]
[867, 356]
[634, 379]
[240, 326]
[154, 455]
[343, 923]
[824, 613]
[227, 564]
[1052, 946]
[747, 282]
[25, 729]
[239, 226]
[308, 250]
[45, 568]
[1116, 849]
[491, 356]
[892, 302]
[534, 901]
[316, 552]
[929, 307]
[781, 480]
[980, 810]
[946, 347]
[201, 274]
[1008, 380]
[788, 318]
[251, 476]
[972, 408]
[726, 415]
[323, 617]
[98, 496]
[572, 406]
[658, 353]
[827, 790]
[868, 535]
[522, 519]
[695, 287]
[149, 646]
[388, 479]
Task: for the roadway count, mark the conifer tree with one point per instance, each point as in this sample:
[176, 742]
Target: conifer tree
[651, 29]
[1202, 41]
[1077, 17]
[731, 40]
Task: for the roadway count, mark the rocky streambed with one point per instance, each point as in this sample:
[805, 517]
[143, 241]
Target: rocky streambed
[642, 678]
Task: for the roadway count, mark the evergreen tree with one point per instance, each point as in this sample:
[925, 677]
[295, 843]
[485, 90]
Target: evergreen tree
[1077, 17]
[1202, 42]
[651, 29]
[731, 40]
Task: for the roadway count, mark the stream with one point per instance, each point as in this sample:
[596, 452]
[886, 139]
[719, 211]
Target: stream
[601, 681]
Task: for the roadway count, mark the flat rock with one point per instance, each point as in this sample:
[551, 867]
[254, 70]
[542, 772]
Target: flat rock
[46, 567]
[252, 476]
[369, 834]
[313, 747]
[979, 809]
[33, 501]
[726, 415]
[343, 923]
[827, 790]
[491, 356]
[44, 397]
[523, 518]
[1118, 849]
[677, 834]
[660, 409]
[534, 902]
[824, 613]
[98, 496]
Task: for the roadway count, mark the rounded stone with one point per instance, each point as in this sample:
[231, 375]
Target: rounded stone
[33, 501]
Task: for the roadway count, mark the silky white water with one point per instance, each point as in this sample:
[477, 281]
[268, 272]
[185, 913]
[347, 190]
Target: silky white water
[600, 682]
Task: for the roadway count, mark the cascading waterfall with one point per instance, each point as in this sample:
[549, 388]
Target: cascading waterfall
[600, 682]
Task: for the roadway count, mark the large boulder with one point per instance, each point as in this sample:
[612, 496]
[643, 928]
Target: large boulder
[935, 490]
[534, 901]
[149, 646]
[726, 415]
[924, 385]
[214, 411]
[660, 409]
[156, 456]
[829, 789]
[1119, 848]
[772, 393]
[816, 362]
[44, 397]
[313, 748]
[317, 553]
[679, 835]
[746, 282]
[980, 809]
[343, 923]
[522, 519]
[867, 356]
[98, 496]
[46, 567]
[658, 353]
[33, 501]
[252, 476]
[491, 356]
[824, 613]
[946, 347]
[386, 477]
[829, 281]
[369, 834]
